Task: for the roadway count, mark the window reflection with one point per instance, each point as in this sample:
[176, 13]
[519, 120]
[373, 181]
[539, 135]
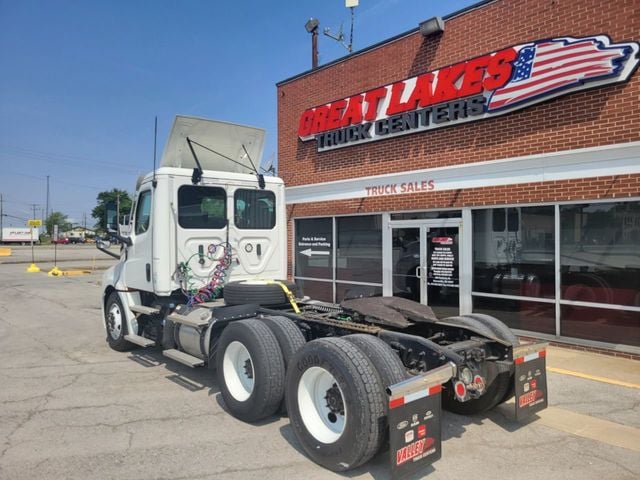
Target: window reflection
[513, 251]
[600, 252]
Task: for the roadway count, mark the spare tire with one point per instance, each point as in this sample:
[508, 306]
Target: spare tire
[260, 292]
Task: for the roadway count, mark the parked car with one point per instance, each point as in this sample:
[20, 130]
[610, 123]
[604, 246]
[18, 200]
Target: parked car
[61, 241]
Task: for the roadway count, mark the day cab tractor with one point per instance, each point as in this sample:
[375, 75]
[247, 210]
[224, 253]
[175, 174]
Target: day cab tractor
[200, 277]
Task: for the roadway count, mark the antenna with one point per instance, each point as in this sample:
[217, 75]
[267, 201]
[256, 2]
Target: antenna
[154, 182]
[350, 4]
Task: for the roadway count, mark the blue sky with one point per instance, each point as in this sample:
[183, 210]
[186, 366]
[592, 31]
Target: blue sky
[81, 81]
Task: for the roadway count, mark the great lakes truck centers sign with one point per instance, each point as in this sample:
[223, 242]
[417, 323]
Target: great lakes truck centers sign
[490, 85]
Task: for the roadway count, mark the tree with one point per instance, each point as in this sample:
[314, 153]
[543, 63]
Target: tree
[57, 218]
[99, 212]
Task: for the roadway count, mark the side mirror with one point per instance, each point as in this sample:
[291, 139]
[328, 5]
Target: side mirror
[111, 216]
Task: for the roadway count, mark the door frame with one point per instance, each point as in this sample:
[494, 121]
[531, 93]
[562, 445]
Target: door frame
[464, 256]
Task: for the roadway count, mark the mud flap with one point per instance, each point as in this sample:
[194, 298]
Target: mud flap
[530, 378]
[415, 414]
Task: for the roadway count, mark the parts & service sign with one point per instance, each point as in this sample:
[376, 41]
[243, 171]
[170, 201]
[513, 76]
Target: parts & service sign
[494, 84]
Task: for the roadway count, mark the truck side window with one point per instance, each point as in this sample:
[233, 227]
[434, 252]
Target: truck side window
[254, 209]
[143, 212]
[202, 207]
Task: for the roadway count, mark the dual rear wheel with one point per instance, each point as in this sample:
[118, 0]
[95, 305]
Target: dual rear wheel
[333, 388]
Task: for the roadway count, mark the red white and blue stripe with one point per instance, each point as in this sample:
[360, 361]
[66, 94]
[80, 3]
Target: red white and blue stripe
[547, 66]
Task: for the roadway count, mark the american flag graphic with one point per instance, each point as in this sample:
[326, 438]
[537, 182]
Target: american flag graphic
[553, 65]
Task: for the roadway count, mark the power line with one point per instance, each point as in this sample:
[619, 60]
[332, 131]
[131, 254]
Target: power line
[57, 158]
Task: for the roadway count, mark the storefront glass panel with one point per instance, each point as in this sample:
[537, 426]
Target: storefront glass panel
[600, 324]
[359, 249]
[351, 290]
[406, 263]
[313, 248]
[322, 291]
[520, 314]
[513, 251]
[600, 253]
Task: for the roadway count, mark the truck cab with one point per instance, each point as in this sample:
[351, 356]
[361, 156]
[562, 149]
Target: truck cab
[205, 206]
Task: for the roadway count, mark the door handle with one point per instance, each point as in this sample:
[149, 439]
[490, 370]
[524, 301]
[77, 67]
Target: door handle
[419, 272]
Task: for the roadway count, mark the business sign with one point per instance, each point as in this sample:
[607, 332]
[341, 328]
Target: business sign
[494, 84]
[34, 223]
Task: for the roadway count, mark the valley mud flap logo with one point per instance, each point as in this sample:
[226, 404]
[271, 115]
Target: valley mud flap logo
[415, 432]
[531, 383]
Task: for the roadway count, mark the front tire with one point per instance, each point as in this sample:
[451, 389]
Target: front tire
[116, 323]
[251, 370]
[336, 404]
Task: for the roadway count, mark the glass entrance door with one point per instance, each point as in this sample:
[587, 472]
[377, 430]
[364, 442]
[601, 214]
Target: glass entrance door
[425, 265]
[443, 271]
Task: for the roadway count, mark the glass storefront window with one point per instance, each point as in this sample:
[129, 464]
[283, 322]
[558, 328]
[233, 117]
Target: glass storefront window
[600, 324]
[322, 291]
[519, 314]
[359, 249]
[313, 248]
[600, 253]
[354, 291]
[426, 215]
[513, 251]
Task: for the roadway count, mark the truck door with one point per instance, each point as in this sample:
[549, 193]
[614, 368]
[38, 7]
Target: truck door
[137, 269]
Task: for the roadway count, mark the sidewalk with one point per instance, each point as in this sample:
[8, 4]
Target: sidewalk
[594, 366]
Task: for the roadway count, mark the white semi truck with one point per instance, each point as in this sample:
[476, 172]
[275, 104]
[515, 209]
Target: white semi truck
[200, 277]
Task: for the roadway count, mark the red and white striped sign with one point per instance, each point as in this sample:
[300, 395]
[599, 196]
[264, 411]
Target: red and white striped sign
[403, 400]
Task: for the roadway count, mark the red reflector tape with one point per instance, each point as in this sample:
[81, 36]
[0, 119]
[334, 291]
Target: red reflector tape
[531, 356]
[398, 402]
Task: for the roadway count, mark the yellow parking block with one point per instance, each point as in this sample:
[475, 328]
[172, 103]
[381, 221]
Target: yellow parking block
[5, 252]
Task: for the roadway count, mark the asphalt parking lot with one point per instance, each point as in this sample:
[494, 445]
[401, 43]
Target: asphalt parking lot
[71, 408]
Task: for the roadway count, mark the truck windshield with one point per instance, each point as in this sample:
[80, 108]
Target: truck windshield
[202, 207]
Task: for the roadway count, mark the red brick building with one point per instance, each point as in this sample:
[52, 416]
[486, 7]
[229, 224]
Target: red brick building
[492, 167]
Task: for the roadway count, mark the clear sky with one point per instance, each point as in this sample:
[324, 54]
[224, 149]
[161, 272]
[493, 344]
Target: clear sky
[82, 80]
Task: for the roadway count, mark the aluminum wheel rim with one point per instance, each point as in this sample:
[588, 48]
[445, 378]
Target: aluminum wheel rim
[114, 321]
[323, 423]
[238, 370]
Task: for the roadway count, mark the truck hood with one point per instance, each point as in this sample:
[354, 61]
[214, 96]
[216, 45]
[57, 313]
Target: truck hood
[227, 139]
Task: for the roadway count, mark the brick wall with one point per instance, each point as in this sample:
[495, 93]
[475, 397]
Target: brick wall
[585, 119]
[592, 118]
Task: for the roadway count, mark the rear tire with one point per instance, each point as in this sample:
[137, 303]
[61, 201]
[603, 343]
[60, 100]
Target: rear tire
[382, 357]
[250, 369]
[494, 393]
[336, 404]
[503, 332]
[290, 339]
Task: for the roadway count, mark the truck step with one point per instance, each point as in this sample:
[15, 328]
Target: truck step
[144, 310]
[183, 358]
[138, 340]
[194, 319]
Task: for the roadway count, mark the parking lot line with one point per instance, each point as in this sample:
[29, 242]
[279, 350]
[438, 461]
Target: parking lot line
[593, 377]
[592, 428]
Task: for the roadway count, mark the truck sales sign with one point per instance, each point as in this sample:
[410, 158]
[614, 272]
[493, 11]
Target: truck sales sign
[490, 85]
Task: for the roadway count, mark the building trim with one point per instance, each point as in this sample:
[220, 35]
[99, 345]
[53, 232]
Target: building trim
[601, 161]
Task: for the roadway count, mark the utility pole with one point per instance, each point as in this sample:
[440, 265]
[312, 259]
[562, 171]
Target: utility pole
[1, 216]
[46, 217]
[118, 212]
